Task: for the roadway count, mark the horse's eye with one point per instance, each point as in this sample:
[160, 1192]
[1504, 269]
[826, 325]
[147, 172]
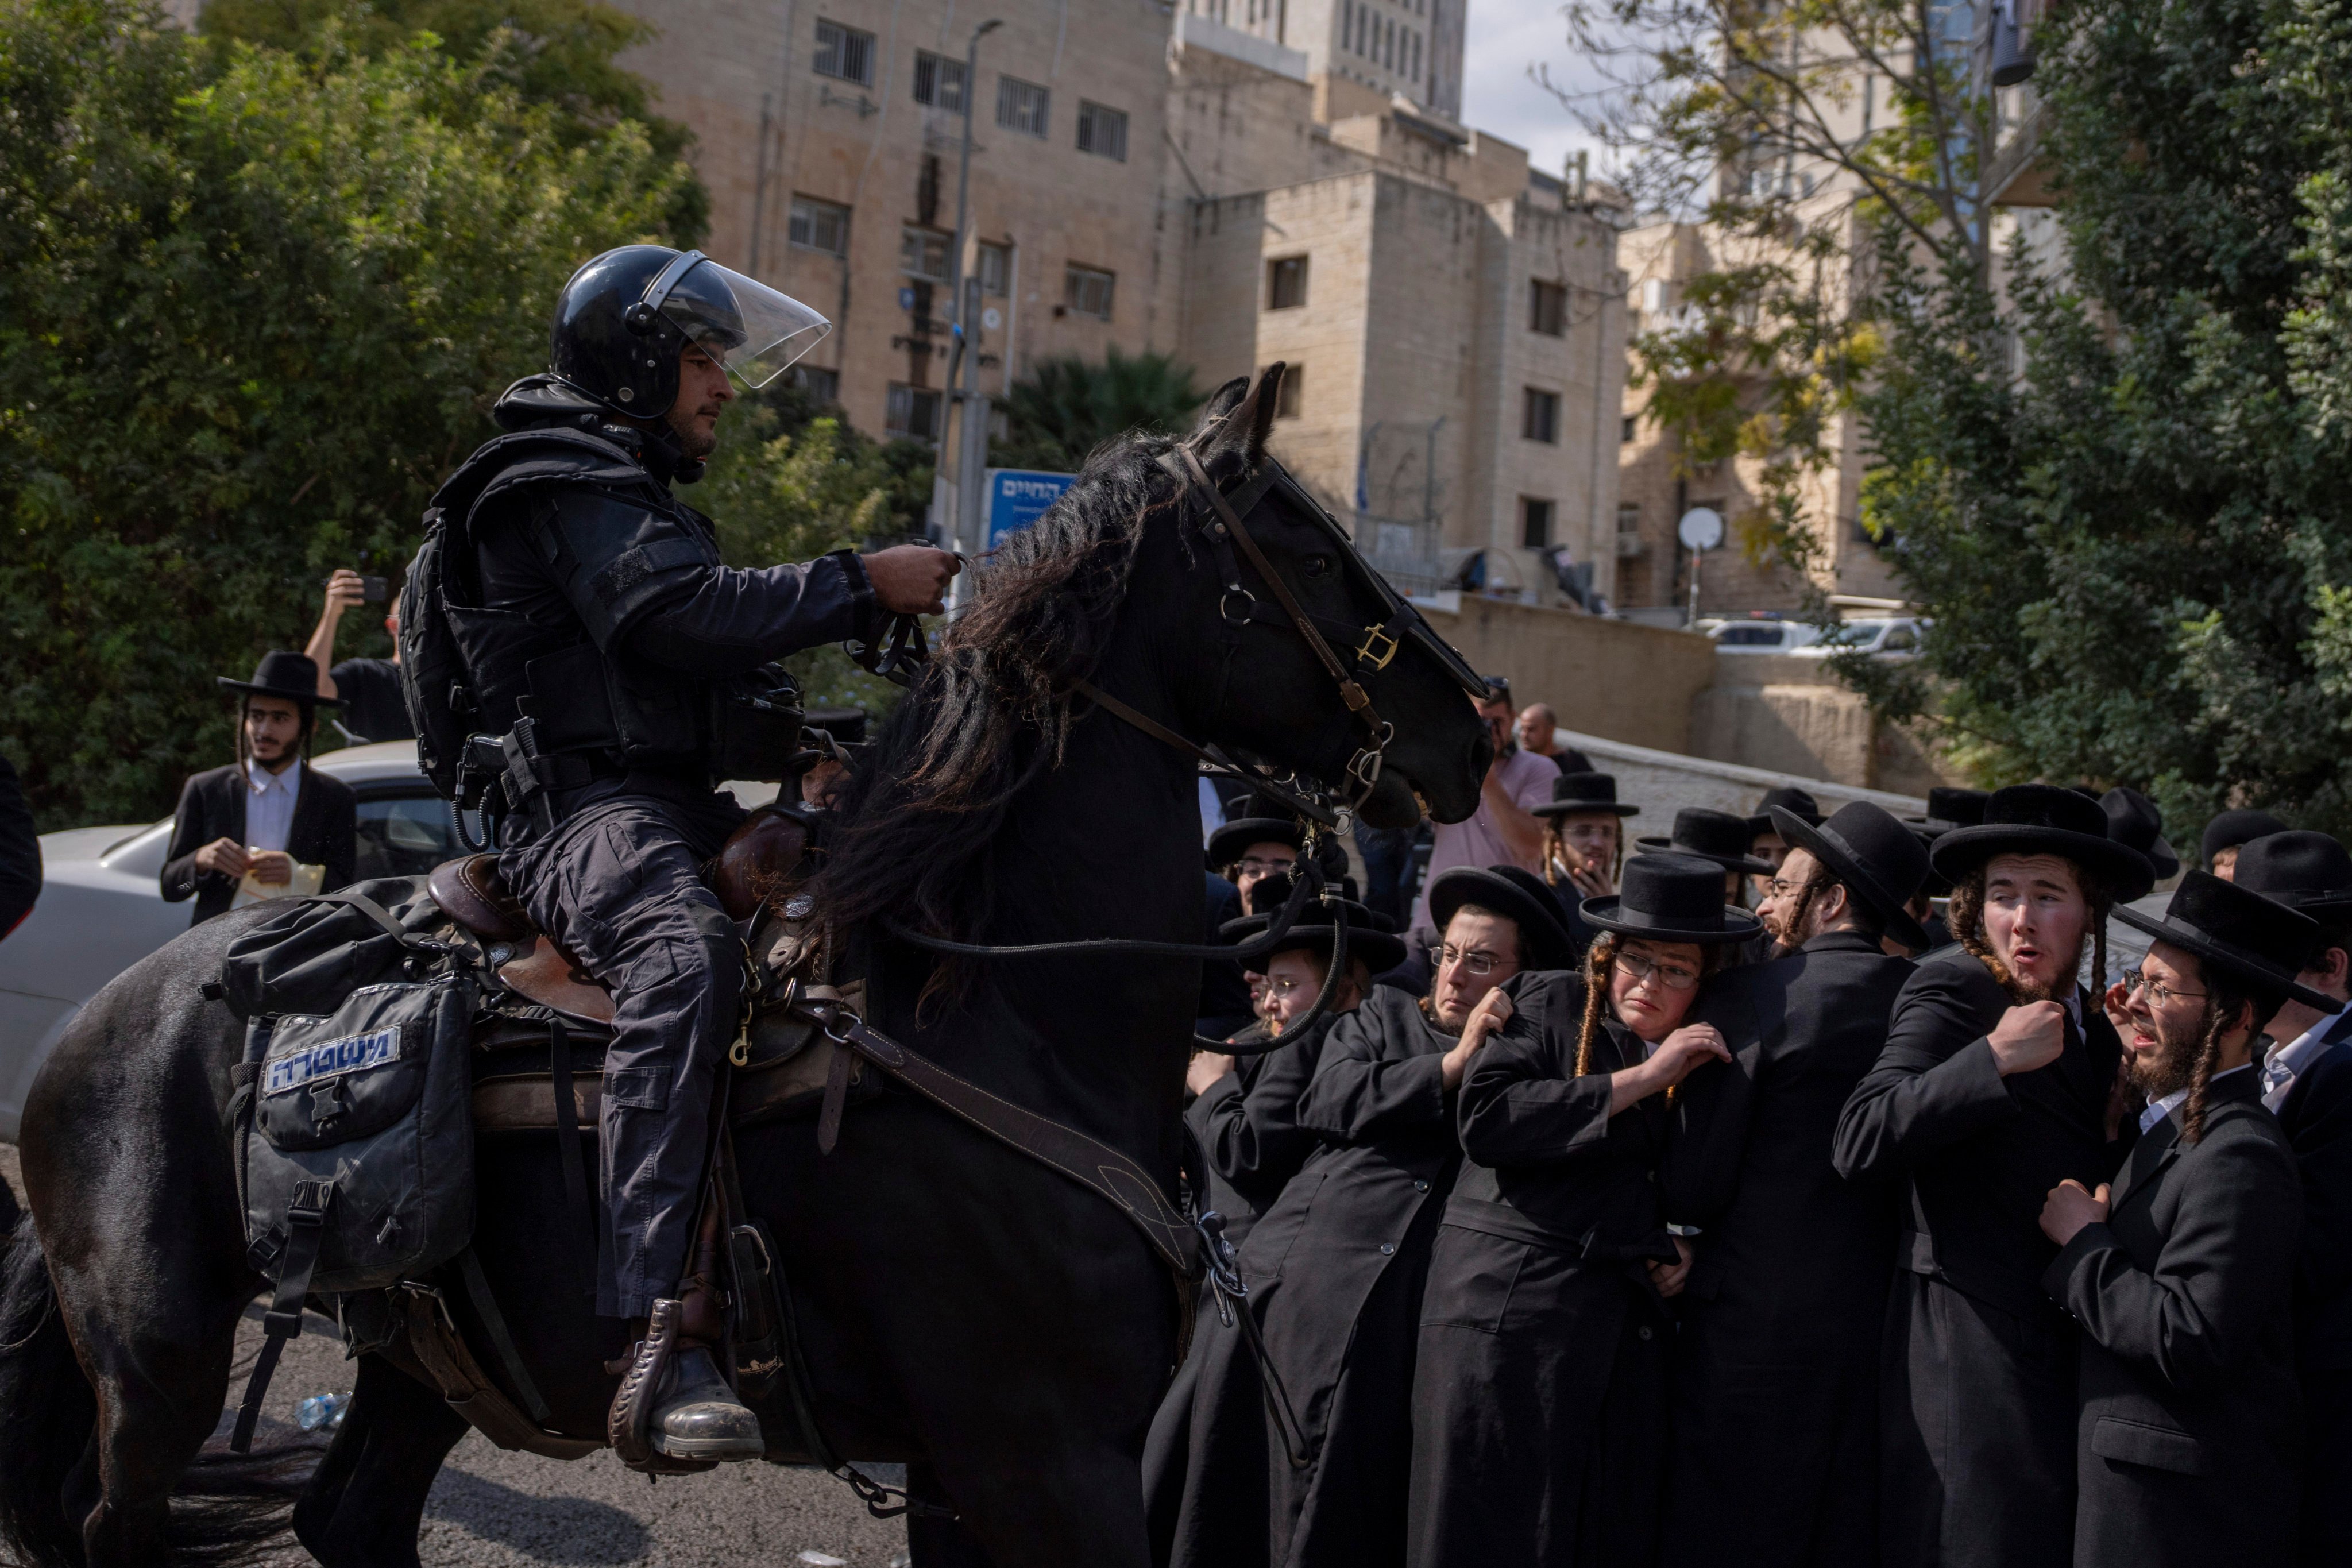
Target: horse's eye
[1317, 565]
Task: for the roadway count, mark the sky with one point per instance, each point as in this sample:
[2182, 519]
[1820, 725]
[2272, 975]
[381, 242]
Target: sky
[1504, 38]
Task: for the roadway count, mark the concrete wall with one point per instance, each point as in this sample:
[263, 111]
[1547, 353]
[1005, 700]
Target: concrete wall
[1662, 783]
[1793, 715]
[1614, 678]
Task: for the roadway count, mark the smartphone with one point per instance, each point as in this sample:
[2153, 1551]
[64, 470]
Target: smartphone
[375, 590]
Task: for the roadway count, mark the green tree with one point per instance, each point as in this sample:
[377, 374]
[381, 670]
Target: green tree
[253, 306]
[2139, 551]
[1065, 408]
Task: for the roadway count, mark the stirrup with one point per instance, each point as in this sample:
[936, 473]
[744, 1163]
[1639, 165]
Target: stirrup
[628, 1424]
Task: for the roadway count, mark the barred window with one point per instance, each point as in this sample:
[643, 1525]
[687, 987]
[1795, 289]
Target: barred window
[845, 53]
[821, 386]
[939, 80]
[913, 413]
[1286, 283]
[820, 225]
[923, 253]
[1086, 291]
[1022, 106]
[1102, 131]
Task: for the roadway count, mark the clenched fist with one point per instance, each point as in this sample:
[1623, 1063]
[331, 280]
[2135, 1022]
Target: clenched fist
[912, 579]
[2029, 1038]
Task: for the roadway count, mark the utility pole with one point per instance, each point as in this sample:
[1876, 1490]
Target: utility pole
[973, 427]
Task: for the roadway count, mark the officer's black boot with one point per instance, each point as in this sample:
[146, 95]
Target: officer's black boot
[674, 1401]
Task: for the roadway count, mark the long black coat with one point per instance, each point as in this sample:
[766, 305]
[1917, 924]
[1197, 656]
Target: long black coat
[1977, 1390]
[2188, 1442]
[2316, 1117]
[1335, 1270]
[1539, 1392]
[20, 852]
[325, 832]
[1786, 1296]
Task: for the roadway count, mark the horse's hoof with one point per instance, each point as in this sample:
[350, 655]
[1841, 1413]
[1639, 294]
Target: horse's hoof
[697, 1416]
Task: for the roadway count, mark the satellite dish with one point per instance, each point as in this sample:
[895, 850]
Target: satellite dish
[1700, 529]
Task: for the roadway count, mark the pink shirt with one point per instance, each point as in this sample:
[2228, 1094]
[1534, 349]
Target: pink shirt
[1526, 778]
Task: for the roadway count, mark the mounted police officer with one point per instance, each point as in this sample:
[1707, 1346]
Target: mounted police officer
[578, 645]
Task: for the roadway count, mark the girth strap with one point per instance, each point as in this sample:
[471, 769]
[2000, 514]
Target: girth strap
[306, 1226]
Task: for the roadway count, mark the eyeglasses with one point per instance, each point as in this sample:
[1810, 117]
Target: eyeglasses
[1673, 977]
[1473, 960]
[1252, 865]
[2158, 993]
[1781, 888]
[1285, 987]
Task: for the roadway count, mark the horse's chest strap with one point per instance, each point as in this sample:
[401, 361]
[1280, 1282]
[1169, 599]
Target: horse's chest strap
[1089, 1162]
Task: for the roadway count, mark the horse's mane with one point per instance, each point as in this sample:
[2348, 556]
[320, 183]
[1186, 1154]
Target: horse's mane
[992, 711]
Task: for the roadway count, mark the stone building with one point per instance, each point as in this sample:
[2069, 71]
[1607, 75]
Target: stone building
[1454, 320]
[1408, 47]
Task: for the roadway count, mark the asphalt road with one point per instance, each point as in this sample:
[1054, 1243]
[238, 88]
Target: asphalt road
[496, 1509]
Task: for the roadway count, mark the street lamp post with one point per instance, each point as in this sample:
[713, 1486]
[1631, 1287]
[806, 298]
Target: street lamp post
[972, 452]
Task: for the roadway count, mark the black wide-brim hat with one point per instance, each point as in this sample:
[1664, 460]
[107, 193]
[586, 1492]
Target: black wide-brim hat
[1517, 896]
[1783, 797]
[1949, 807]
[293, 676]
[1716, 835]
[2259, 941]
[1229, 843]
[2235, 829]
[2133, 819]
[1672, 897]
[1369, 937]
[1573, 795]
[2045, 820]
[2300, 868]
[1880, 860]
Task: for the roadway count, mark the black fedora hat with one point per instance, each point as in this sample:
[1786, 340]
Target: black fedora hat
[1669, 896]
[2133, 819]
[2046, 819]
[1716, 835]
[1949, 807]
[2260, 942]
[2234, 829]
[1260, 822]
[2301, 869]
[1798, 802]
[1581, 792]
[1371, 936]
[1880, 860]
[283, 674]
[1521, 897]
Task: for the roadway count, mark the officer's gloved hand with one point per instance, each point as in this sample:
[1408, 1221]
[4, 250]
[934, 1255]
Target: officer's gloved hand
[912, 579]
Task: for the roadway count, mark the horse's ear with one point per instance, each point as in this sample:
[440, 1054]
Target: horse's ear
[1224, 400]
[1242, 425]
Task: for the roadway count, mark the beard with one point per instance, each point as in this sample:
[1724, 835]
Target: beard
[2173, 1066]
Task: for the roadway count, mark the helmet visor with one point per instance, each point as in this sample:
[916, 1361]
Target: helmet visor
[745, 325]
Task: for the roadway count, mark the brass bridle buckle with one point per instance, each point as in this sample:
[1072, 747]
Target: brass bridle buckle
[1375, 638]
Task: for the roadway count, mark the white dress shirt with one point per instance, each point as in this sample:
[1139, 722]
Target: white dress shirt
[2281, 1065]
[269, 805]
[2158, 1110]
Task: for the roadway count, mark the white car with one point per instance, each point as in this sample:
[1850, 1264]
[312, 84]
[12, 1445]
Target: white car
[101, 908]
[1761, 636]
[1895, 637]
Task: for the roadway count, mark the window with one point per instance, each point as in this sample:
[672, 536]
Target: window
[1286, 283]
[939, 80]
[403, 836]
[923, 253]
[1631, 428]
[1021, 105]
[995, 269]
[1540, 418]
[824, 386]
[1535, 522]
[820, 225]
[913, 413]
[1102, 132]
[1086, 291]
[1291, 395]
[1629, 519]
[845, 53]
[1548, 308]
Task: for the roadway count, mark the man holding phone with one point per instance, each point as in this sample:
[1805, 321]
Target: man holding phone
[369, 688]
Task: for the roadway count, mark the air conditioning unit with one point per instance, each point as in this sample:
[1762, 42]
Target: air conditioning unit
[1630, 545]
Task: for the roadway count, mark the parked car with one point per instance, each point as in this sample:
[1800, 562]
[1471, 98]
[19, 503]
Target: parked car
[1895, 637]
[102, 907]
[1761, 634]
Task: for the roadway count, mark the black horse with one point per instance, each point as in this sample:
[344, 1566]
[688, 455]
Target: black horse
[1002, 1329]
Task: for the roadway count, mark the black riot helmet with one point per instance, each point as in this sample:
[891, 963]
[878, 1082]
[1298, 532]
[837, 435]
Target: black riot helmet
[622, 321]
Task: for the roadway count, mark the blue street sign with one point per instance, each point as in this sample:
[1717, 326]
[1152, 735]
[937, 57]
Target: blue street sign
[1018, 496]
[906, 299]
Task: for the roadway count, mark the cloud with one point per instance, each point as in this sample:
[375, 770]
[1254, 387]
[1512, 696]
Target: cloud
[1506, 40]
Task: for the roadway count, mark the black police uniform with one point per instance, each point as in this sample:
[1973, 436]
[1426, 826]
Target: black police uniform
[599, 611]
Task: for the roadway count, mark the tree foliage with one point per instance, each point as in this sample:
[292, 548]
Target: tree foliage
[2139, 549]
[1065, 408]
[253, 306]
